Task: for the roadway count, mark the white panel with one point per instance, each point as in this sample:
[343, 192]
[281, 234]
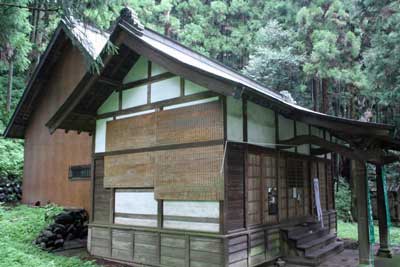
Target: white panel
[192, 209]
[110, 105]
[138, 71]
[209, 209]
[134, 97]
[260, 125]
[234, 119]
[165, 89]
[136, 222]
[195, 226]
[100, 142]
[135, 114]
[135, 202]
[302, 129]
[192, 88]
[192, 103]
[156, 69]
[286, 129]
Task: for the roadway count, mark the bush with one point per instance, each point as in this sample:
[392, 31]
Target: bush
[19, 226]
[343, 200]
[11, 157]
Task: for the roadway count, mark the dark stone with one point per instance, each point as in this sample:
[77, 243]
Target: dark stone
[47, 233]
[59, 243]
[64, 219]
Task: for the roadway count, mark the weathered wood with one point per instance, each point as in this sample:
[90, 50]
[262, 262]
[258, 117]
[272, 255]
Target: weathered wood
[359, 173]
[384, 245]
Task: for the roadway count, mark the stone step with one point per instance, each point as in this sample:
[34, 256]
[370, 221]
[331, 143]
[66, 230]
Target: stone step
[317, 243]
[309, 236]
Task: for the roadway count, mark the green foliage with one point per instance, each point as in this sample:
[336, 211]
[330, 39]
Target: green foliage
[11, 157]
[276, 61]
[343, 200]
[19, 226]
[349, 230]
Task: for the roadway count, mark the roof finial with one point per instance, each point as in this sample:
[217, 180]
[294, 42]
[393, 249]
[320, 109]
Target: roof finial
[129, 15]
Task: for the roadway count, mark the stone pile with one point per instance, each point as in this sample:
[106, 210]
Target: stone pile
[69, 225]
[10, 191]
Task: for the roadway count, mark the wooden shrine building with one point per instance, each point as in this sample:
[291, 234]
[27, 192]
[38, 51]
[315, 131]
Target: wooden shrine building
[56, 166]
[196, 165]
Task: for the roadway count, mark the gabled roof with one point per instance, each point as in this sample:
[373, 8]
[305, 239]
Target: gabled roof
[88, 39]
[193, 66]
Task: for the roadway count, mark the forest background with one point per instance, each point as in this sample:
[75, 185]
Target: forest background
[339, 57]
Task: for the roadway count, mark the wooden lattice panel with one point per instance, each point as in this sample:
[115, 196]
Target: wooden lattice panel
[283, 195]
[322, 184]
[130, 170]
[270, 183]
[198, 123]
[190, 174]
[329, 186]
[254, 215]
[134, 132]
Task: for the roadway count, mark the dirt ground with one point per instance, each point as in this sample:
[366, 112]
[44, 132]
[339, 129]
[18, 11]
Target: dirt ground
[348, 258]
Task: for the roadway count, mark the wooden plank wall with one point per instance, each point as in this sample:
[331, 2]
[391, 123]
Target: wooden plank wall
[234, 213]
[47, 157]
[157, 249]
[101, 195]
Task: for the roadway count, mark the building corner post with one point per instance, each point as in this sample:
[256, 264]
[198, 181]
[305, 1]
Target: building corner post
[366, 256]
[383, 214]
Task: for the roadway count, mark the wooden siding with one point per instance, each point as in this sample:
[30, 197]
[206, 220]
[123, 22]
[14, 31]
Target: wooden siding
[101, 195]
[190, 124]
[156, 249]
[47, 157]
[235, 188]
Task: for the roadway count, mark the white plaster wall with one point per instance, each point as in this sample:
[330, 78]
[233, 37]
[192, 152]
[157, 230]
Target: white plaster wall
[110, 105]
[192, 103]
[165, 89]
[260, 125]
[100, 138]
[234, 116]
[193, 209]
[192, 88]
[138, 71]
[157, 69]
[286, 129]
[134, 97]
[134, 202]
[302, 129]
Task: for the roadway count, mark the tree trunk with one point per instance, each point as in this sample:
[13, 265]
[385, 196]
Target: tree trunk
[10, 84]
[325, 100]
[315, 86]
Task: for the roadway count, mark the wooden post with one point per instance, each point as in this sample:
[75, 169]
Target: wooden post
[384, 248]
[359, 174]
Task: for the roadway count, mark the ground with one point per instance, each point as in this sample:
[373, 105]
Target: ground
[21, 224]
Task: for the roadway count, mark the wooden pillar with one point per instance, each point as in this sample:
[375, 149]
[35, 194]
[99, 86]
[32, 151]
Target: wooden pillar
[384, 248]
[359, 174]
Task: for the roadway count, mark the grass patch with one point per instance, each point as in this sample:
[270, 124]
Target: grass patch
[19, 226]
[350, 231]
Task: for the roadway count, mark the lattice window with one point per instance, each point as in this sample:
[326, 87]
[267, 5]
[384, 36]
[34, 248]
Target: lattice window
[79, 172]
[254, 190]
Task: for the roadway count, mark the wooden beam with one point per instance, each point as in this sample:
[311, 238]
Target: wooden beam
[150, 79]
[376, 156]
[110, 81]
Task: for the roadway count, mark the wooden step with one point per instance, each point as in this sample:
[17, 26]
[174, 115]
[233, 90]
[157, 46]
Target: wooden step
[322, 253]
[316, 257]
[317, 243]
[309, 236]
[302, 228]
